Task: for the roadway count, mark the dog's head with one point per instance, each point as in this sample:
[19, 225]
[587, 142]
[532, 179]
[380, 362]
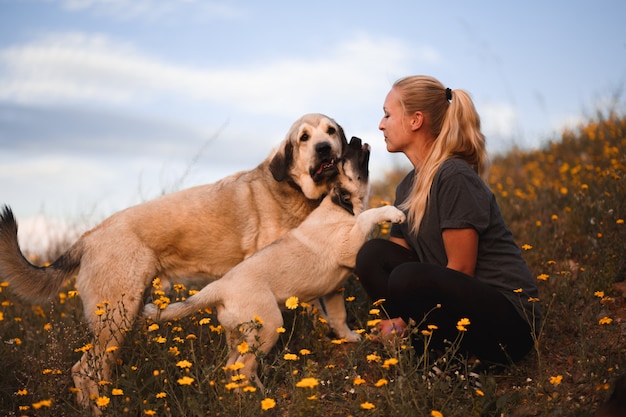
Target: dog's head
[309, 154]
[351, 187]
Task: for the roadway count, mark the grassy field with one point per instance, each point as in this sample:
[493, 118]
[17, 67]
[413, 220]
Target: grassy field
[565, 203]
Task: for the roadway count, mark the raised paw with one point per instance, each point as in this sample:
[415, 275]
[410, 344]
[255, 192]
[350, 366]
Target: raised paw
[394, 214]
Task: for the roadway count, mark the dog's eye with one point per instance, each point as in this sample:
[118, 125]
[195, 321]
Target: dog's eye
[331, 130]
[304, 137]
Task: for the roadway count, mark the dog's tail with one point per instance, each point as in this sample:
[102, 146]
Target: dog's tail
[28, 281]
[208, 296]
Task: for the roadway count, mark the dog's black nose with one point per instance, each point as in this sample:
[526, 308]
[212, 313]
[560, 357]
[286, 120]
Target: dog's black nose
[323, 149]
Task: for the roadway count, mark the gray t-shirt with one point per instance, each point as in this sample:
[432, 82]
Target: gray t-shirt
[460, 199]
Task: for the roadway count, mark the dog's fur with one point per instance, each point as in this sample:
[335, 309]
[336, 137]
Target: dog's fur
[308, 262]
[198, 233]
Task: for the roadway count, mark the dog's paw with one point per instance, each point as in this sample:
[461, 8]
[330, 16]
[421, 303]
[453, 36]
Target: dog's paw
[393, 214]
[150, 311]
[352, 337]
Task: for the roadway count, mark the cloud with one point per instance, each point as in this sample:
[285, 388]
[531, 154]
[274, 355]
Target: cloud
[153, 10]
[78, 67]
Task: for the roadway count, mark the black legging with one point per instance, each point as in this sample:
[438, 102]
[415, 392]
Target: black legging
[497, 333]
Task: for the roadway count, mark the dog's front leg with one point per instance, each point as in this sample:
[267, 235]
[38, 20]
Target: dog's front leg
[359, 233]
[336, 315]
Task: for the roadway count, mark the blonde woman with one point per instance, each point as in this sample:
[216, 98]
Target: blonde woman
[455, 250]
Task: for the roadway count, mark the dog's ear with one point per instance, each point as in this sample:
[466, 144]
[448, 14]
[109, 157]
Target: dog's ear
[342, 137]
[343, 198]
[281, 162]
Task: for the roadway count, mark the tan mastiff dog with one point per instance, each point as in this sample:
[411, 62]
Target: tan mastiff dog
[197, 233]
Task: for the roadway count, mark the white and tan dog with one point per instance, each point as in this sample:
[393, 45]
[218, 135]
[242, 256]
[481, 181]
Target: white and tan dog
[196, 234]
[308, 262]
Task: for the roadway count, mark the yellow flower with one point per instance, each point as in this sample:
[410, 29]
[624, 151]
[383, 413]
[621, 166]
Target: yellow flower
[267, 403]
[599, 294]
[258, 319]
[231, 386]
[350, 299]
[619, 221]
[519, 290]
[184, 364]
[358, 381]
[373, 358]
[185, 380]
[160, 339]
[22, 392]
[280, 330]
[290, 357]
[1, 316]
[292, 303]
[480, 393]
[375, 311]
[307, 383]
[435, 413]
[389, 362]
[103, 401]
[249, 388]
[234, 367]
[556, 380]
[161, 395]
[305, 352]
[99, 312]
[605, 320]
[243, 348]
[117, 391]
[149, 412]
[46, 326]
[153, 327]
[84, 348]
[543, 277]
[112, 349]
[381, 382]
[373, 323]
[378, 302]
[42, 403]
[205, 320]
[526, 246]
[367, 405]
[462, 324]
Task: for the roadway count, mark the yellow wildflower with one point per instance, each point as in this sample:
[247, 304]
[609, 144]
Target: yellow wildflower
[42, 403]
[367, 405]
[462, 324]
[103, 401]
[153, 327]
[243, 348]
[358, 381]
[184, 364]
[117, 391]
[381, 382]
[149, 412]
[435, 413]
[161, 395]
[280, 330]
[556, 380]
[307, 383]
[605, 320]
[185, 380]
[389, 362]
[267, 403]
[290, 357]
[292, 303]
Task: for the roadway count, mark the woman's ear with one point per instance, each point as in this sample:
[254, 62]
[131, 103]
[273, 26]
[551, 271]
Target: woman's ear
[417, 120]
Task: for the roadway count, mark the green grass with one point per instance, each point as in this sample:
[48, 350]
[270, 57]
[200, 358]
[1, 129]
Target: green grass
[565, 203]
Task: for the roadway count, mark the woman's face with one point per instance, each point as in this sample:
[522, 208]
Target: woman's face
[394, 124]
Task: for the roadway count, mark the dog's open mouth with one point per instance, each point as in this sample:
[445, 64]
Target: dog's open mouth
[325, 169]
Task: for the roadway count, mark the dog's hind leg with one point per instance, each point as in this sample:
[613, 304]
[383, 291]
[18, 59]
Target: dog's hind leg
[111, 303]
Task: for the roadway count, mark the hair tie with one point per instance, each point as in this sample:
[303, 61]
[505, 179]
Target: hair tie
[448, 94]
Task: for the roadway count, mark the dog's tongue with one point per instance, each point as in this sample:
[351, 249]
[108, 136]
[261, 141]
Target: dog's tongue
[323, 167]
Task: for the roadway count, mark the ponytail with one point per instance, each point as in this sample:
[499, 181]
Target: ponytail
[456, 126]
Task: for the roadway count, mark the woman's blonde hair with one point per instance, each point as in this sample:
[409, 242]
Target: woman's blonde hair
[454, 124]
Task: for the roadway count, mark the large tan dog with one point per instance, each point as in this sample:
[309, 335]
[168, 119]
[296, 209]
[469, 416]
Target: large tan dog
[197, 233]
[308, 262]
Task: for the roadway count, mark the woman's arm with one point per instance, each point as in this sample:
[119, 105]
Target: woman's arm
[461, 249]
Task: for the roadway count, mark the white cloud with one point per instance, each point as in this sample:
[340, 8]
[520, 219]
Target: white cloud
[153, 10]
[76, 67]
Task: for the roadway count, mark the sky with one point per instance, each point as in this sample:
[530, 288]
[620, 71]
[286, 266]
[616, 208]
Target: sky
[108, 103]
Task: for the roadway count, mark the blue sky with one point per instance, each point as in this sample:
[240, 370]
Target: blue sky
[107, 103]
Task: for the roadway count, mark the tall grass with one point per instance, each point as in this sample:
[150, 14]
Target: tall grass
[565, 203]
